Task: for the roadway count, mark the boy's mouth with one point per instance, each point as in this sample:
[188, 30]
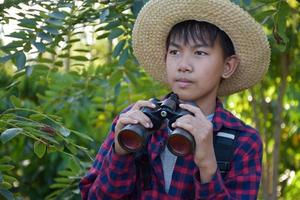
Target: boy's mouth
[183, 82]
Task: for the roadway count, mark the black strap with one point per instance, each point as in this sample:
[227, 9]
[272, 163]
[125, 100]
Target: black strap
[143, 169]
[224, 145]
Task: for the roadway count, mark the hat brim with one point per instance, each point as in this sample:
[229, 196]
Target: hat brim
[157, 17]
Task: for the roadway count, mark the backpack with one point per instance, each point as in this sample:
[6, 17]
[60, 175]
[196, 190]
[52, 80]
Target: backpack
[224, 145]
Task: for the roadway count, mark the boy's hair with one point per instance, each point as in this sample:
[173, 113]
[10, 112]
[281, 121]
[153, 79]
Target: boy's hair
[202, 31]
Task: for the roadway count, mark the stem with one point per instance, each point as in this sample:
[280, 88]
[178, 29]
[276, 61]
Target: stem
[284, 68]
[24, 132]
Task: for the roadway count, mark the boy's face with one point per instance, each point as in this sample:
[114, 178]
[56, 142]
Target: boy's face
[194, 70]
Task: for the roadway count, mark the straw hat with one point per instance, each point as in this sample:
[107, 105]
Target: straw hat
[157, 17]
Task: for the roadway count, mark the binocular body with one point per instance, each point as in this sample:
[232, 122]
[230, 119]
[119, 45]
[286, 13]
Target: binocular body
[133, 137]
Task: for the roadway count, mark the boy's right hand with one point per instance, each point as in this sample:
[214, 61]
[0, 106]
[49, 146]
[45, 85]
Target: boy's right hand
[132, 116]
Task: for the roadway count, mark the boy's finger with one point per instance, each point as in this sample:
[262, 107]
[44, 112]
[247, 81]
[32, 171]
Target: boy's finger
[139, 104]
[127, 120]
[186, 126]
[139, 117]
[123, 121]
[193, 109]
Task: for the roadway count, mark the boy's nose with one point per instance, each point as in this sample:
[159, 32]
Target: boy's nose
[185, 66]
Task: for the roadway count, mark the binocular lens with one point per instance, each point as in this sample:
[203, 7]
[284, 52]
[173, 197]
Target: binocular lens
[132, 137]
[181, 143]
[130, 141]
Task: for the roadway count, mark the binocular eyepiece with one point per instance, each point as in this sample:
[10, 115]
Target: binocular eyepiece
[133, 137]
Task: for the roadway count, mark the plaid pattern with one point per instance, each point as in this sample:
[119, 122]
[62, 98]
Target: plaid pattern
[114, 177]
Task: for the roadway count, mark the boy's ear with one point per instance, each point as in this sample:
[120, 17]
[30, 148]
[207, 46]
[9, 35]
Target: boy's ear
[230, 66]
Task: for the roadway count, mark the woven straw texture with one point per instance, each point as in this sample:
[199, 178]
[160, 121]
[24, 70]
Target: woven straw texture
[157, 17]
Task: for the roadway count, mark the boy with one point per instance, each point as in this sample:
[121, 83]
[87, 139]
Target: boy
[201, 49]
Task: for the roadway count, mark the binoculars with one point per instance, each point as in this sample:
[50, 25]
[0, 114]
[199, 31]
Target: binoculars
[180, 142]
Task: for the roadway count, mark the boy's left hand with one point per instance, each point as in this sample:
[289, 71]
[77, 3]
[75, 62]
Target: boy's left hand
[202, 130]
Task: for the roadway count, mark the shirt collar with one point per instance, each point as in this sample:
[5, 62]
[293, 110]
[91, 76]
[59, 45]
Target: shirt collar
[225, 118]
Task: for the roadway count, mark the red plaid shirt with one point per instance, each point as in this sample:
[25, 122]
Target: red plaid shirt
[115, 177]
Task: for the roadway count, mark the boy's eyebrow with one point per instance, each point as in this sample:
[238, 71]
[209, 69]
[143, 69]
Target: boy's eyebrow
[194, 46]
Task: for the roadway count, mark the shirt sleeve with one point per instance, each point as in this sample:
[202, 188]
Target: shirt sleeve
[242, 181]
[112, 176]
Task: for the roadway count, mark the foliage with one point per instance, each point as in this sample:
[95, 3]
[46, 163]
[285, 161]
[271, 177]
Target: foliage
[68, 70]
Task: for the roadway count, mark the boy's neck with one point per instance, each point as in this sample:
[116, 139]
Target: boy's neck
[207, 105]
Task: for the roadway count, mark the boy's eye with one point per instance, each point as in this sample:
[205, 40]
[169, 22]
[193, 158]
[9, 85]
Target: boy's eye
[200, 53]
[173, 52]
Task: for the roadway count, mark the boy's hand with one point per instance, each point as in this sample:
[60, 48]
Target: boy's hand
[132, 116]
[202, 130]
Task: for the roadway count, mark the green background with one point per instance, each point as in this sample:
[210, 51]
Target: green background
[67, 70]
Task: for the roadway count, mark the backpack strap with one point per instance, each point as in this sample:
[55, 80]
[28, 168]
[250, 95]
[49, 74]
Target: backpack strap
[224, 145]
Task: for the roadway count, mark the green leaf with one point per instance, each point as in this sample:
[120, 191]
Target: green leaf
[9, 179]
[45, 60]
[18, 74]
[262, 16]
[37, 117]
[101, 28]
[82, 50]
[44, 36]
[20, 59]
[6, 167]
[49, 137]
[72, 149]
[51, 30]
[75, 165]
[124, 56]
[28, 23]
[39, 149]
[6, 194]
[20, 35]
[79, 58]
[115, 33]
[247, 2]
[67, 173]
[280, 30]
[112, 25]
[104, 14]
[59, 185]
[64, 131]
[5, 185]
[55, 148]
[137, 5]
[55, 22]
[104, 35]
[29, 70]
[83, 136]
[4, 59]
[5, 159]
[27, 47]
[131, 77]
[237, 2]
[62, 180]
[57, 15]
[12, 46]
[15, 101]
[283, 12]
[118, 48]
[40, 46]
[116, 77]
[74, 40]
[51, 50]
[9, 134]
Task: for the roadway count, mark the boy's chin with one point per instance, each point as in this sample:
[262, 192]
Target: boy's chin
[184, 96]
